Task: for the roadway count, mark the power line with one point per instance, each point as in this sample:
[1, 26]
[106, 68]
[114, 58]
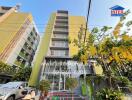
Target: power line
[44, 24]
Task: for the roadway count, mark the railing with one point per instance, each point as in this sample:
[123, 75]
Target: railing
[22, 54]
[61, 29]
[61, 24]
[66, 20]
[17, 63]
[62, 14]
[60, 45]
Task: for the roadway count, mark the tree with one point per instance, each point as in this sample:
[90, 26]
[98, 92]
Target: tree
[23, 74]
[6, 69]
[44, 86]
[71, 83]
[111, 47]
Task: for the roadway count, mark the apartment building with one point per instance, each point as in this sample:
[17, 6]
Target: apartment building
[54, 61]
[19, 37]
[55, 52]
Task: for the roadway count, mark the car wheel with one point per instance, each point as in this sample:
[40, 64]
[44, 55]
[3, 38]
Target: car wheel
[11, 98]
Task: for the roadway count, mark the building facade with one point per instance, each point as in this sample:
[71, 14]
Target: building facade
[18, 37]
[54, 62]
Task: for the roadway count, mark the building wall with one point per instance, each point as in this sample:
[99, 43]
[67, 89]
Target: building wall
[75, 23]
[15, 32]
[9, 33]
[59, 44]
[16, 50]
[43, 49]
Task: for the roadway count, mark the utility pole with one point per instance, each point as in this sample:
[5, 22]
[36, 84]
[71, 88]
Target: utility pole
[85, 35]
[89, 6]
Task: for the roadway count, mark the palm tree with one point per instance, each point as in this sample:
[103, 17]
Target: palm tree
[44, 86]
[71, 83]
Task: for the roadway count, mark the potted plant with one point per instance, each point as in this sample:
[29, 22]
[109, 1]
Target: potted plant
[44, 86]
[71, 83]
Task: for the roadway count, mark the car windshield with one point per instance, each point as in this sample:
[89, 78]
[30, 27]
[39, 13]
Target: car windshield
[11, 85]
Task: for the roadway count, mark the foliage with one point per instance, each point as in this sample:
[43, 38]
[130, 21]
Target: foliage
[108, 94]
[109, 46]
[83, 89]
[124, 81]
[6, 69]
[89, 81]
[98, 79]
[44, 85]
[23, 74]
[71, 83]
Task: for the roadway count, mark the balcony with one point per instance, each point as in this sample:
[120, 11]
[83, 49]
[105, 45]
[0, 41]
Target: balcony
[61, 26]
[60, 37]
[62, 14]
[59, 48]
[27, 50]
[61, 30]
[18, 63]
[22, 55]
[62, 20]
[62, 11]
[58, 53]
[30, 42]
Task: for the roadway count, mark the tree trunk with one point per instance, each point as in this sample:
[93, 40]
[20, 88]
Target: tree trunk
[109, 80]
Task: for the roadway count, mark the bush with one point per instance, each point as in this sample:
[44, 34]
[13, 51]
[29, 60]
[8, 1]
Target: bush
[108, 94]
[83, 89]
[23, 74]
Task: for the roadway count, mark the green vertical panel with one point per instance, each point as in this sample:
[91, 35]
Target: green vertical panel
[43, 49]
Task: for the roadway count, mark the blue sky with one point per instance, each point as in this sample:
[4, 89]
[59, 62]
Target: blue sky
[99, 16]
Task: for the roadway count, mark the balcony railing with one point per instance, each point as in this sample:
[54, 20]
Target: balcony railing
[65, 20]
[62, 36]
[27, 50]
[60, 45]
[62, 14]
[61, 29]
[22, 54]
[18, 63]
[61, 25]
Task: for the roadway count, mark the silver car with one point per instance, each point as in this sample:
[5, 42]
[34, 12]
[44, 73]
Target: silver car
[12, 90]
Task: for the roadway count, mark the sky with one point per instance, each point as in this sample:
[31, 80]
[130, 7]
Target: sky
[100, 13]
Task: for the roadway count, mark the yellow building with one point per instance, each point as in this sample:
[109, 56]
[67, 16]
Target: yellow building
[18, 37]
[55, 47]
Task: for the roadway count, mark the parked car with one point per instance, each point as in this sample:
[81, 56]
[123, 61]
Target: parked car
[13, 90]
[1, 84]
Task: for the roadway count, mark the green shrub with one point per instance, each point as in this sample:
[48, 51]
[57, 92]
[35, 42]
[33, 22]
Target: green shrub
[83, 89]
[108, 94]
